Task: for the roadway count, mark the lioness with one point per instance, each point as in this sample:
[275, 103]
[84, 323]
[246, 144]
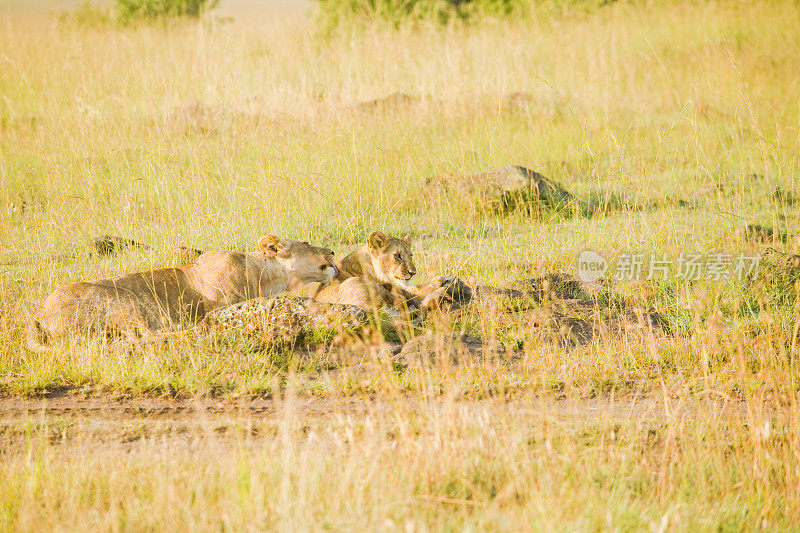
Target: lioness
[376, 274]
[140, 305]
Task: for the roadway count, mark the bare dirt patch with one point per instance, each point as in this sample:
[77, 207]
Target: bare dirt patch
[73, 427]
[68, 405]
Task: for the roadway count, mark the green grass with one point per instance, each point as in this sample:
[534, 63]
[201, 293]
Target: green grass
[677, 120]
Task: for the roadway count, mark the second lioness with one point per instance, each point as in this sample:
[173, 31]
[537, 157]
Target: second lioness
[378, 273]
[140, 305]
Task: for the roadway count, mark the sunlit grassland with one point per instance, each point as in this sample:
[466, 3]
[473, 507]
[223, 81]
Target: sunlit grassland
[485, 466]
[216, 133]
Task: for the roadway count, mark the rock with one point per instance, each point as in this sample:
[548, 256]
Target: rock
[503, 189]
[446, 349]
[557, 308]
[487, 293]
[445, 294]
[577, 322]
[550, 286]
[639, 322]
[360, 351]
[524, 293]
[350, 355]
[775, 258]
[552, 324]
[516, 179]
[284, 318]
[112, 244]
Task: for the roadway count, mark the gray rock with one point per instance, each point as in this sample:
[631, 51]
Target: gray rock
[285, 318]
[503, 189]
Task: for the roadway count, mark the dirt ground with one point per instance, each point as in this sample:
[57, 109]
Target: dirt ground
[66, 418]
[69, 405]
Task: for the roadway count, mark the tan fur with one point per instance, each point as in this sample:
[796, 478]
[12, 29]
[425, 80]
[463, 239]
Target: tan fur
[376, 274]
[138, 306]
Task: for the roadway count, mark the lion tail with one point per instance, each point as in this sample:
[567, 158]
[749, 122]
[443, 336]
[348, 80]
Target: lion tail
[37, 336]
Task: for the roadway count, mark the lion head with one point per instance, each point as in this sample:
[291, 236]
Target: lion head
[391, 258]
[304, 261]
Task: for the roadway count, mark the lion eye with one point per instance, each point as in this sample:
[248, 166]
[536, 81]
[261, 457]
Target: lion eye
[398, 256]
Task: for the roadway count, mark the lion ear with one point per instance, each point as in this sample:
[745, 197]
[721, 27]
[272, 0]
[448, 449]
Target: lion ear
[377, 240]
[271, 245]
[408, 239]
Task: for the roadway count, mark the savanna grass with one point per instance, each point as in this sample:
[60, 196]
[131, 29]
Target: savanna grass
[215, 134]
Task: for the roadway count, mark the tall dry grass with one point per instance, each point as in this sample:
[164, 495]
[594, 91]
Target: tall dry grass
[216, 133]
[415, 465]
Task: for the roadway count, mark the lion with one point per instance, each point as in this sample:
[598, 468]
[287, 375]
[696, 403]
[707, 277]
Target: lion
[141, 306]
[376, 274]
